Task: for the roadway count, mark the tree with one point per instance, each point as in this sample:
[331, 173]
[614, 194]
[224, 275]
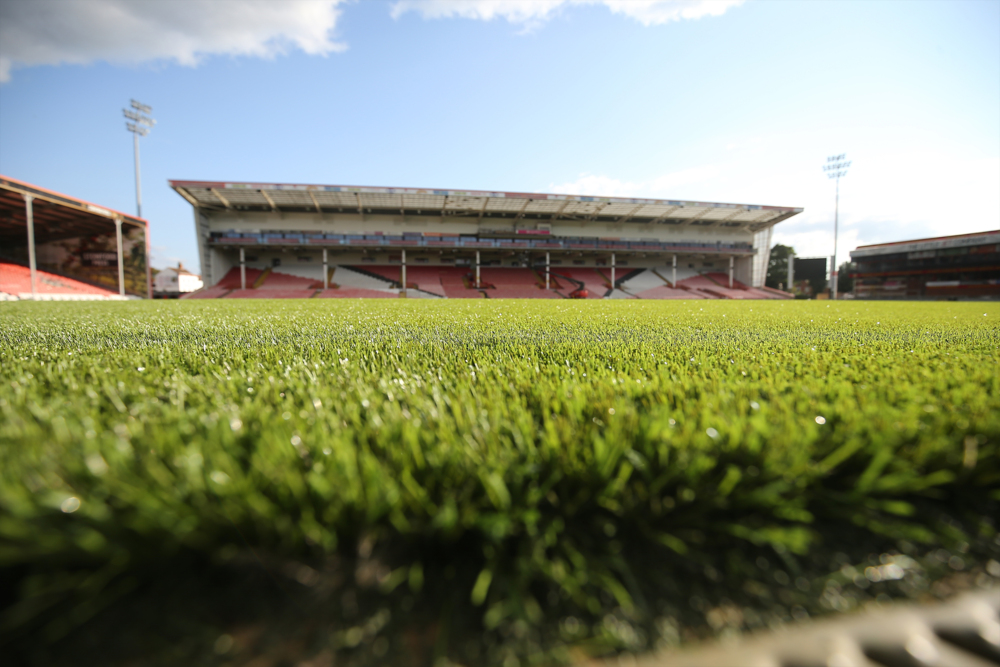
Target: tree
[845, 283]
[777, 267]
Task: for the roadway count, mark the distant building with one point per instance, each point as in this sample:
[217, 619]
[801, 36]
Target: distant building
[172, 282]
[966, 266]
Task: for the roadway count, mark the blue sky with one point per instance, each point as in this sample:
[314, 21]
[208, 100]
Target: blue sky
[717, 101]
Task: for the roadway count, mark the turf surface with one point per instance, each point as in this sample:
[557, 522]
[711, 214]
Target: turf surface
[487, 482]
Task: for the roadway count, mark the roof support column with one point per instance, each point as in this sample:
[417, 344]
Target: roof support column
[612, 273]
[675, 273]
[29, 211]
[326, 271]
[243, 269]
[477, 269]
[546, 269]
[730, 272]
[404, 271]
[791, 272]
[121, 257]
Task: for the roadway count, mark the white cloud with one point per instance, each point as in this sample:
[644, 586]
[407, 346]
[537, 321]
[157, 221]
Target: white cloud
[885, 197]
[534, 12]
[53, 32]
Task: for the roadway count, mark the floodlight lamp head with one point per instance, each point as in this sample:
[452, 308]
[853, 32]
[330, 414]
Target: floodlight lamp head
[139, 106]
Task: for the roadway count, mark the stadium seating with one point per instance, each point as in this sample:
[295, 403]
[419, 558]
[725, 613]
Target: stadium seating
[519, 292]
[284, 281]
[591, 280]
[705, 285]
[232, 278]
[208, 293]
[361, 278]
[665, 292]
[640, 281]
[512, 277]
[357, 293]
[392, 274]
[271, 293]
[426, 278]
[15, 280]
[457, 282]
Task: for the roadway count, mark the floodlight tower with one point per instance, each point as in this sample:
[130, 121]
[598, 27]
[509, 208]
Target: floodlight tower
[141, 126]
[835, 167]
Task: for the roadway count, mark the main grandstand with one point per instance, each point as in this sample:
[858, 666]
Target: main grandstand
[57, 247]
[966, 266]
[259, 240]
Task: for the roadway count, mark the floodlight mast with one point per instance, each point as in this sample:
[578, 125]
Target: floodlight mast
[140, 127]
[835, 167]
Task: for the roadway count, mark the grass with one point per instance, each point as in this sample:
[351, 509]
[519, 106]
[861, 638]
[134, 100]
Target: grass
[481, 482]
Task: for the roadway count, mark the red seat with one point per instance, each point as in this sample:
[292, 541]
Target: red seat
[16, 279]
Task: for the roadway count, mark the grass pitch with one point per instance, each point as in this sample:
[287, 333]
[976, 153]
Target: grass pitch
[482, 482]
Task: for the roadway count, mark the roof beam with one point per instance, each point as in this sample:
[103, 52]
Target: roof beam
[191, 200]
[361, 209]
[666, 214]
[562, 208]
[628, 216]
[756, 227]
[524, 207]
[593, 216]
[689, 221]
[269, 200]
[732, 215]
[482, 211]
[225, 202]
[319, 209]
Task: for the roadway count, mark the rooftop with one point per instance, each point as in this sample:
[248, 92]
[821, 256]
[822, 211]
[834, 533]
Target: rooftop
[477, 204]
[55, 215]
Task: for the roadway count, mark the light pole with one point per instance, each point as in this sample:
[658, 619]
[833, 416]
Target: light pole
[835, 167]
[141, 126]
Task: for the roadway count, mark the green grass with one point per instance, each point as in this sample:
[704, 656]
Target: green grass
[482, 481]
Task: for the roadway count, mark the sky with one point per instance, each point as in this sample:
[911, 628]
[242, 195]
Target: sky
[723, 101]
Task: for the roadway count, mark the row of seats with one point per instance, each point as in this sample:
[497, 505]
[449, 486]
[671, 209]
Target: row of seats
[455, 282]
[15, 280]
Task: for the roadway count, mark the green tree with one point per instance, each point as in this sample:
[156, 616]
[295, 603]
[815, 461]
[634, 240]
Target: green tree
[777, 267]
[845, 283]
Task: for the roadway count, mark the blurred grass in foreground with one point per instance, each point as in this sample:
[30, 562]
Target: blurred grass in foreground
[482, 482]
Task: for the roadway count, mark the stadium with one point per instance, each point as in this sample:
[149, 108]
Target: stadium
[302, 241]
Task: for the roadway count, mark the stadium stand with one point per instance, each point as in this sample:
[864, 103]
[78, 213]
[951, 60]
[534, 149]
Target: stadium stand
[15, 281]
[383, 281]
[359, 233]
[702, 284]
[640, 281]
[356, 277]
[284, 281]
[960, 267]
[356, 293]
[270, 293]
[79, 250]
[215, 292]
[457, 283]
[592, 280]
[425, 278]
[664, 292]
